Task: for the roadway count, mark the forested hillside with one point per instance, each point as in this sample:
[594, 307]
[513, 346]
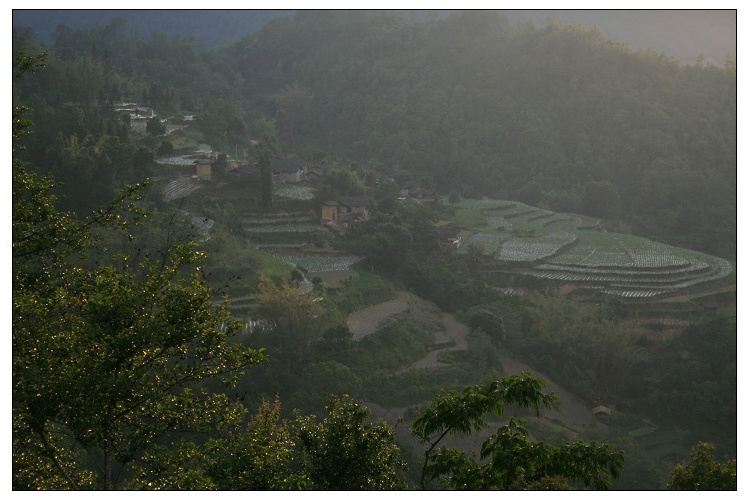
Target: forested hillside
[555, 116]
[245, 267]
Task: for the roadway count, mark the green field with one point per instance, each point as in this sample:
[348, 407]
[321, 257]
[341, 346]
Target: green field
[574, 249]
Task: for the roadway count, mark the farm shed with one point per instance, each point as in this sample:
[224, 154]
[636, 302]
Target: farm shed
[330, 211]
[355, 205]
[348, 210]
[290, 170]
[450, 237]
[710, 307]
[203, 168]
[602, 412]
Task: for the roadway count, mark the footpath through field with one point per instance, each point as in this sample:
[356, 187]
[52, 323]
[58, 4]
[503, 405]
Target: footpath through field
[370, 319]
[572, 413]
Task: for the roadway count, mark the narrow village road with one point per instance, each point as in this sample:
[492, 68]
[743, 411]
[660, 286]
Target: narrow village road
[368, 320]
[573, 414]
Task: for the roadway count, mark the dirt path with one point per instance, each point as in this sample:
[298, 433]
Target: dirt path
[453, 331]
[370, 319]
[573, 414]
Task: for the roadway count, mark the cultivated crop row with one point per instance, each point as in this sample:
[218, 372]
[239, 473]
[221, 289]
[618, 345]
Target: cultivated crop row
[317, 263]
[486, 204]
[273, 220]
[621, 264]
[202, 225]
[182, 160]
[287, 228]
[179, 188]
[600, 249]
[644, 281]
[295, 192]
[535, 248]
[488, 242]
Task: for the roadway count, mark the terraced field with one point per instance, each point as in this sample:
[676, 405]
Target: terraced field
[294, 191]
[275, 230]
[574, 249]
[319, 262]
[179, 188]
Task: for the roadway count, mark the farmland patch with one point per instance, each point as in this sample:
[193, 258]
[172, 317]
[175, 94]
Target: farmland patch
[574, 250]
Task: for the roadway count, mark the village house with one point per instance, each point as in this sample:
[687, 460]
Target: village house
[416, 193]
[203, 169]
[315, 173]
[290, 170]
[247, 170]
[358, 205]
[602, 413]
[348, 210]
[286, 170]
[329, 212]
[450, 237]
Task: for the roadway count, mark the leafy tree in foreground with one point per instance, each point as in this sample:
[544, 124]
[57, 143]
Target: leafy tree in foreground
[108, 362]
[508, 459]
[258, 457]
[704, 472]
[346, 452]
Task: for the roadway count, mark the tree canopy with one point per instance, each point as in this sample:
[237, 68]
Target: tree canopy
[704, 472]
[130, 371]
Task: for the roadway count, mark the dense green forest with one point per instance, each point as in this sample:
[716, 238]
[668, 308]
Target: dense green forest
[556, 116]
[205, 360]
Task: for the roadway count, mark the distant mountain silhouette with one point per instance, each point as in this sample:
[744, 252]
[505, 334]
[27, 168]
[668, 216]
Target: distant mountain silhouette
[209, 28]
[685, 34]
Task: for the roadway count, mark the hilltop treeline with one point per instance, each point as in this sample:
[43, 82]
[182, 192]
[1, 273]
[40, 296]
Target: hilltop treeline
[555, 116]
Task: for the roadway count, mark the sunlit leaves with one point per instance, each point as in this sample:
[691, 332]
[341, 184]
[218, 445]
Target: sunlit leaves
[108, 357]
[462, 413]
[704, 472]
[346, 452]
[509, 460]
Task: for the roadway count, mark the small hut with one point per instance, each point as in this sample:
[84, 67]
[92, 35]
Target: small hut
[203, 169]
[602, 413]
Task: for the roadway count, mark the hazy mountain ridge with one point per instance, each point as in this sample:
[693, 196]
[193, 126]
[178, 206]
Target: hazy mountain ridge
[684, 34]
[559, 116]
[452, 108]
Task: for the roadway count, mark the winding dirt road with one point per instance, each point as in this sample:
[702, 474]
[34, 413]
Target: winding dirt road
[370, 319]
[573, 414]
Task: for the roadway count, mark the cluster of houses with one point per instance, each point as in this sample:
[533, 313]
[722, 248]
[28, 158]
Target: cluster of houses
[335, 213]
[346, 211]
[286, 170]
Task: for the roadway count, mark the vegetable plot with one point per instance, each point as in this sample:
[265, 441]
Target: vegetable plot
[318, 263]
[488, 242]
[294, 192]
[287, 228]
[534, 248]
[613, 263]
[179, 188]
[630, 266]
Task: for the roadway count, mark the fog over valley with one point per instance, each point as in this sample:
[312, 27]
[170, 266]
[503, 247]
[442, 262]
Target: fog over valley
[374, 250]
